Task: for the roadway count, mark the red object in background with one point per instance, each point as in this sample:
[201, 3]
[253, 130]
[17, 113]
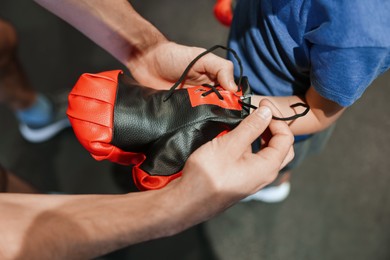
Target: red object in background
[223, 11]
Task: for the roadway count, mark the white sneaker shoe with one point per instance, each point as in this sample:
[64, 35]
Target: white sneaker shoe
[272, 194]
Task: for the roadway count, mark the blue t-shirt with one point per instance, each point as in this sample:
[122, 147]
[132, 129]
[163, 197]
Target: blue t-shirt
[337, 46]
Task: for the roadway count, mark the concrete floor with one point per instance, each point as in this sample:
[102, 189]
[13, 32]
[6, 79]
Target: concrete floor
[339, 207]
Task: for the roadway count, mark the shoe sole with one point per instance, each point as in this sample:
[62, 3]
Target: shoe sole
[45, 133]
[271, 194]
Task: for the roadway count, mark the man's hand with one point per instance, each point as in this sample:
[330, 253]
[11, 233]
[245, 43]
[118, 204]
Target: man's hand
[225, 170]
[152, 59]
[216, 175]
[161, 65]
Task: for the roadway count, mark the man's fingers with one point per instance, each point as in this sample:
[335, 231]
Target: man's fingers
[279, 147]
[289, 157]
[221, 69]
[278, 153]
[225, 79]
[247, 131]
[276, 127]
[274, 109]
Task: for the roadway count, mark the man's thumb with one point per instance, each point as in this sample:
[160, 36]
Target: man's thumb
[249, 129]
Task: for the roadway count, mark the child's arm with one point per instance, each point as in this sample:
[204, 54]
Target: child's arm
[322, 114]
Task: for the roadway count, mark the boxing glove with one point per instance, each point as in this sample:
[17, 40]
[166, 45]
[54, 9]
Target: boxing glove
[116, 119]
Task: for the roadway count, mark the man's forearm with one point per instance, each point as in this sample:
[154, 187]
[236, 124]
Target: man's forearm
[113, 25]
[216, 175]
[86, 226]
[151, 59]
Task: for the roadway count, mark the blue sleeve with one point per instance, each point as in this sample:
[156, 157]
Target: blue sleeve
[349, 45]
[343, 74]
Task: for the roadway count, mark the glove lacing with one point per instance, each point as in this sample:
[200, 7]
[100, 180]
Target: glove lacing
[213, 88]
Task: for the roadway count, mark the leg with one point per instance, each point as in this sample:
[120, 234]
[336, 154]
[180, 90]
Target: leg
[15, 90]
[279, 189]
[40, 118]
[11, 183]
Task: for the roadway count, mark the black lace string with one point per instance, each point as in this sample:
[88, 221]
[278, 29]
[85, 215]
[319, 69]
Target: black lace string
[293, 117]
[213, 88]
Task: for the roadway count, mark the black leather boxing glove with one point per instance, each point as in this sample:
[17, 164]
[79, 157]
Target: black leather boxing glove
[155, 130]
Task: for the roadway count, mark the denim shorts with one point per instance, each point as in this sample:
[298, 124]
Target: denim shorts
[304, 147]
[312, 145]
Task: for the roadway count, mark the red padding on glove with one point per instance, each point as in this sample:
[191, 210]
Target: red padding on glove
[91, 113]
[223, 12]
[144, 181]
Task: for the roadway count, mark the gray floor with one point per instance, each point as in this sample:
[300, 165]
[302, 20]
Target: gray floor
[339, 207]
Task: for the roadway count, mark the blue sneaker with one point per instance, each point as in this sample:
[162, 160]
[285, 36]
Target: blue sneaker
[59, 122]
